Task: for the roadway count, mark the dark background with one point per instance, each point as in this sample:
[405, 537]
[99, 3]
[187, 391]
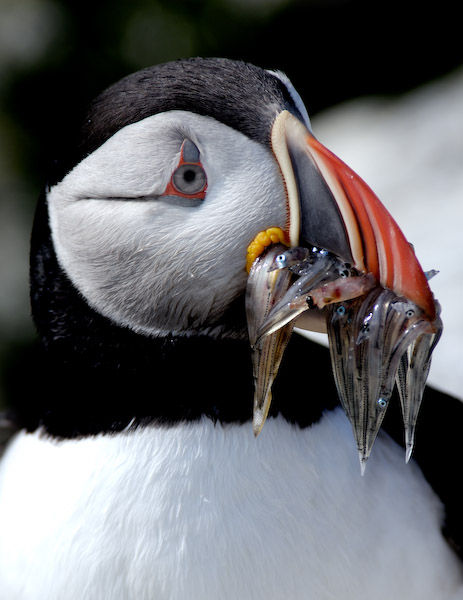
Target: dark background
[55, 55]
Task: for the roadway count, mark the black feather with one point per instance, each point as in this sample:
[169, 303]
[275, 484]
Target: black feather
[238, 94]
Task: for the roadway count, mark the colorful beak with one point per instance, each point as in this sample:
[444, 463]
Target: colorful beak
[331, 207]
[348, 256]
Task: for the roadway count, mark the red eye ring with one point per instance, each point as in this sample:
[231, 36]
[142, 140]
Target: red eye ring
[189, 178]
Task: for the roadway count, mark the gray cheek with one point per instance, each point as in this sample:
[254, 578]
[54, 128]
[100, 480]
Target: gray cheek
[140, 290]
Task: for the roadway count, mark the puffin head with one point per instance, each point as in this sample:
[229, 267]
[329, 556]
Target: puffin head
[177, 169]
[173, 178]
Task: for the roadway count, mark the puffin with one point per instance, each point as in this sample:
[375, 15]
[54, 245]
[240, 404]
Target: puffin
[133, 472]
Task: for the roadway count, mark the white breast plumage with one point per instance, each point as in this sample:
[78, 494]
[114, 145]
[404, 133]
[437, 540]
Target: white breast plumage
[206, 511]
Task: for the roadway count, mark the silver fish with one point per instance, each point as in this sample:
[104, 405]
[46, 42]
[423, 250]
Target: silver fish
[411, 379]
[265, 287]
[290, 258]
[377, 339]
[369, 338]
[317, 269]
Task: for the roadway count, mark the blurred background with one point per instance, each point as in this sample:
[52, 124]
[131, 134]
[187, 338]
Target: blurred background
[383, 82]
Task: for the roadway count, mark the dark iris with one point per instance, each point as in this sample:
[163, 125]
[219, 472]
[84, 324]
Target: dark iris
[189, 176]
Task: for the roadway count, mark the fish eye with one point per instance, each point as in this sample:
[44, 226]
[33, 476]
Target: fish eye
[381, 402]
[409, 313]
[309, 301]
[341, 310]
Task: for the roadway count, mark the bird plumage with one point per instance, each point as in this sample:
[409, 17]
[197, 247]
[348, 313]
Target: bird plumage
[204, 511]
[136, 473]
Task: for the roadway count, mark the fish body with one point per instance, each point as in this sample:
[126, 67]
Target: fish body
[377, 339]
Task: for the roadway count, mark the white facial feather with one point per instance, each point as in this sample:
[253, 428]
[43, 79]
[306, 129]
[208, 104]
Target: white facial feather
[151, 265]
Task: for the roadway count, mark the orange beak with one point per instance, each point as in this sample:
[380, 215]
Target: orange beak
[331, 207]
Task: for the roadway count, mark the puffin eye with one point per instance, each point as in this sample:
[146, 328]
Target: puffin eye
[189, 179]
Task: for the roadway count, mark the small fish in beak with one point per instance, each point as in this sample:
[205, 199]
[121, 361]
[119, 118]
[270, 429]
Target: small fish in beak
[348, 271]
[375, 340]
[375, 336]
[411, 378]
[322, 279]
[265, 287]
